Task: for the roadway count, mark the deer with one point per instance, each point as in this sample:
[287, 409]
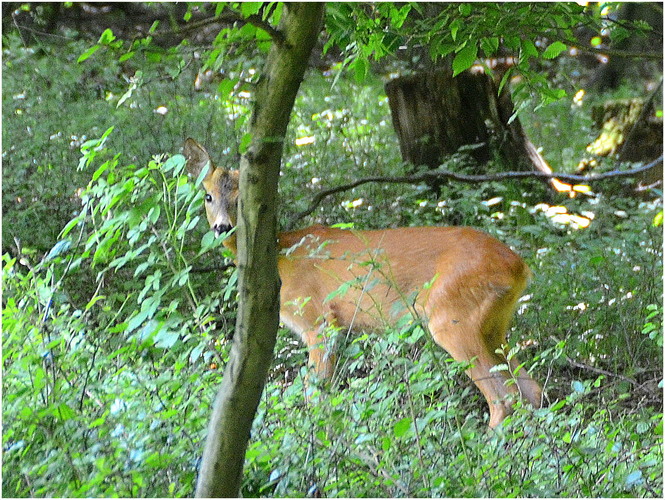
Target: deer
[462, 283]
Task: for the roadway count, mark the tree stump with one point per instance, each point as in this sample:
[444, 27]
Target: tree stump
[630, 129]
[434, 114]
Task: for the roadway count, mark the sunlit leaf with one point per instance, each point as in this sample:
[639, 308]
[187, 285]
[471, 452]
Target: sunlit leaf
[106, 37]
[554, 49]
[250, 8]
[88, 53]
[401, 427]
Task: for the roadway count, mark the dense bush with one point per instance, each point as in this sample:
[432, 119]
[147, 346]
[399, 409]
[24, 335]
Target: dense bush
[118, 307]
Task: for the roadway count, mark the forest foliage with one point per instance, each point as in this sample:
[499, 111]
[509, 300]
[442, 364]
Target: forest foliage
[119, 304]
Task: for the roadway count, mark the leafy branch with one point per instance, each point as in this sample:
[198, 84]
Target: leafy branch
[439, 174]
[611, 52]
[255, 20]
[227, 16]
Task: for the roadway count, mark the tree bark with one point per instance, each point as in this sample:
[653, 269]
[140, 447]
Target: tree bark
[630, 130]
[258, 312]
[435, 114]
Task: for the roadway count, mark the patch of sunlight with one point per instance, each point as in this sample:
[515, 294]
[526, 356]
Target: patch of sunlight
[303, 141]
[558, 214]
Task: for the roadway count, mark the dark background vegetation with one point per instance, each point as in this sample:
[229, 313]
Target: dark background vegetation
[118, 306]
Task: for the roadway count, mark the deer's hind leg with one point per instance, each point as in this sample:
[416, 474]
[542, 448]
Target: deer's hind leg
[470, 323]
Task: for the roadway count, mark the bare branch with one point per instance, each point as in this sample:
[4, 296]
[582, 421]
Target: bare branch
[610, 52]
[472, 179]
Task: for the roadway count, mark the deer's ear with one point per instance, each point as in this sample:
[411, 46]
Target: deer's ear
[197, 158]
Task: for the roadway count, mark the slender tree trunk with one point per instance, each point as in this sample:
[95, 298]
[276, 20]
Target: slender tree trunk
[258, 313]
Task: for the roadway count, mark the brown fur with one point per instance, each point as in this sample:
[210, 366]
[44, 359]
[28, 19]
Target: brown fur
[463, 283]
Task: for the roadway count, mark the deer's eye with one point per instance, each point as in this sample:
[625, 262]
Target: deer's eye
[208, 198]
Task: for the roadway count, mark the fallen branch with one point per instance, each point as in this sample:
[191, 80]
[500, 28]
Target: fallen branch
[583, 366]
[471, 179]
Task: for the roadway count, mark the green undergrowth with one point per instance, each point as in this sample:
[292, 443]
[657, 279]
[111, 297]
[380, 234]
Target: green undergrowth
[119, 309]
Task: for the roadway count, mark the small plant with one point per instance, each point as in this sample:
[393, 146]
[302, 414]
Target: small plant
[124, 363]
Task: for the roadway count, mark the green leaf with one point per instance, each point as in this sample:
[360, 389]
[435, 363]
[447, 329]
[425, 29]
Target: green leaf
[490, 45]
[149, 329]
[126, 56]
[465, 59]
[360, 69]
[618, 34]
[512, 353]
[340, 291]
[553, 50]
[276, 13]
[596, 259]
[225, 88]
[230, 287]
[93, 301]
[558, 405]
[97, 422]
[166, 338]
[528, 50]
[102, 168]
[454, 28]
[634, 479]
[106, 133]
[104, 250]
[70, 225]
[401, 427]
[244, 143]
[196, 353]
[154, 213]
[88, 53]
[398, 16]
[137, 320]
[59, 248]
[207, 241]
[465, 9]
[64, 412]
[250, 8]
[176, 162]
[248, 31]
[512, 42]
[153, 57]
[107, 37]
[499, 368]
